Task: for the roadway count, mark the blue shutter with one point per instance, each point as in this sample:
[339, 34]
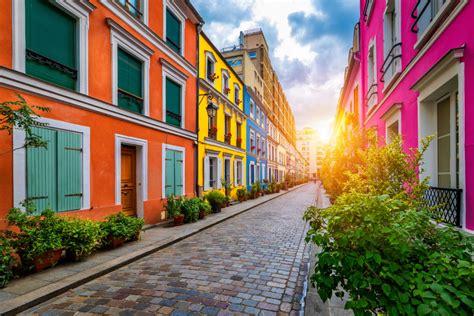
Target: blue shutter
[169, 173]
[178, 172]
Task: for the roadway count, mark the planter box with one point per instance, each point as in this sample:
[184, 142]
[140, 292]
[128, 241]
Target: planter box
[178, 220]
[47, 259]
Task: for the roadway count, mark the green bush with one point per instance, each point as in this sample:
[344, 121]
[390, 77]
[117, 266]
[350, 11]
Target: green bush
[122, 226]
[6, 261]
[37, 234]
[173, 206]
[205, 207]
[216, 198]
[190, 208]
[81, 237]
[390, 258]
[241, 194]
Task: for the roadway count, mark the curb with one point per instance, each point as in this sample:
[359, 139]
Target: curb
[40, 295]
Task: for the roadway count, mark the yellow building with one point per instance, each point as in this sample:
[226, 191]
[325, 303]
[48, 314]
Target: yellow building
[222, 124]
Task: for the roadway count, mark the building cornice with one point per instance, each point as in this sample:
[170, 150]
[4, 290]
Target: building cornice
[213, 142]
[19, 81]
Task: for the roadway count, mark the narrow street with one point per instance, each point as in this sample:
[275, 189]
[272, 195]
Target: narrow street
[255, 263]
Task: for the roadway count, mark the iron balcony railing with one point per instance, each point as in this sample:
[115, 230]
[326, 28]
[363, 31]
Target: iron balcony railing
[446, 204]
[392, 56]
[232, 48]
[31, 55]
[418, 12]
[371, 97]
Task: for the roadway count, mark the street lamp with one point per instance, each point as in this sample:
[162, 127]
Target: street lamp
[211, 109]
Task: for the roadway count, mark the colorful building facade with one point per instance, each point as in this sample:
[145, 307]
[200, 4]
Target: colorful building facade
[416, 71]
[222, 122]
[121, 126]
[256, 138]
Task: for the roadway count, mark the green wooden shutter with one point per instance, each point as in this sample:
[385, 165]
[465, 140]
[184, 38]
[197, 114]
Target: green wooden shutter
[173, 31]
[50, 40]
[41, 172]
[178, 172]
[169, 173]
[173, 103]
[130, 82]
[69, 171]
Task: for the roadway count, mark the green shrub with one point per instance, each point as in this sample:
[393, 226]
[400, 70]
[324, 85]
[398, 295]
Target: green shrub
[173, 206]
[390, 258]
[205, 207]
[81, 237]
[37, 234]
[216, 198]
[241, 194]
[6, 261]
[190, 208]
[122, 226]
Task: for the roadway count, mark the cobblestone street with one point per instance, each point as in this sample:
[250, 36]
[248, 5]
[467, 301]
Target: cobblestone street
[255, 263]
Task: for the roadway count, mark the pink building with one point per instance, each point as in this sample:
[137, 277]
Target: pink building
[416, 67]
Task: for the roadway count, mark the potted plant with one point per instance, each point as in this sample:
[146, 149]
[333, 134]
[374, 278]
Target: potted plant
[241, 194]
[226, 90]
[81, 237]
[239, 142]
[253, 191]
[6, 260]
[204, 209]
[212, 77]
[227, 186]
[258, 189]
[216, 199]
[213, 131]
[38, 241]
[190, 209]
[228, 136]
[120, 228]
[173, 208]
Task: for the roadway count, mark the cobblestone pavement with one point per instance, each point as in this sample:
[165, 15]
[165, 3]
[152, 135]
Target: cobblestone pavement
[255, 263]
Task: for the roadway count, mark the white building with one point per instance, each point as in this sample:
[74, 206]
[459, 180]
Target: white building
[309, 145]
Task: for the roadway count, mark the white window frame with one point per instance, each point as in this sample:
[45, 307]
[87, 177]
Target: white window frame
[225, 75]
[393, 115]
[181, 17]
[144, 5]
[389, 34]
[175, 75]
[237, 92]
[236, 181]
[19, 160]
[257, 115]
[216, 157]
[141, 146]
[372, 74]
[210, 58]
[230, 169]
[80, 10]
[127, 42]
[251, 166]
[166, 147]
[252, 109]
[422, 36]
[254, 143]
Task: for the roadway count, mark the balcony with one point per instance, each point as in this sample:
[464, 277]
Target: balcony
[446, 204]
[392, 64]
[371, 97]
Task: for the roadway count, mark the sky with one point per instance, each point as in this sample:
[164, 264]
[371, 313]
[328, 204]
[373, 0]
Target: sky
[309, 42]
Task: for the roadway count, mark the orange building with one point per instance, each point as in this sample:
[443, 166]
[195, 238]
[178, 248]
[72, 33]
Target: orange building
[120, 80]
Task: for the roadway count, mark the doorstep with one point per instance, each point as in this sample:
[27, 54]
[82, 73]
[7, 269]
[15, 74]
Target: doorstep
[21, 294]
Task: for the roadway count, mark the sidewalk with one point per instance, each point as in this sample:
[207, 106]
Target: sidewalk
[31, 290]
[314, 305]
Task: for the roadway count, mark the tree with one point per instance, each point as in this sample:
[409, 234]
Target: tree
[19, 114]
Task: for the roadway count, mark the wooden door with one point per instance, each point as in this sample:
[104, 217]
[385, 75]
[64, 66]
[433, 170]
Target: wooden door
[128, 181]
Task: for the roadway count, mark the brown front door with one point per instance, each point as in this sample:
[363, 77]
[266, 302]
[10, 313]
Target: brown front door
[128, 181]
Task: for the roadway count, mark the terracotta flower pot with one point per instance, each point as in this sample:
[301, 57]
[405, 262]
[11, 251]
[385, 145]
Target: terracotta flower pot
[179, 220]
[202, 214]
[47, 259]
[116, 242]
[216, 208]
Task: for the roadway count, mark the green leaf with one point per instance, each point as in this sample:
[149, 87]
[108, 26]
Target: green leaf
[423, 309]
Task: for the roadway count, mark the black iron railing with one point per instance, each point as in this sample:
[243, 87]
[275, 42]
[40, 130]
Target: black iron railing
[31, 55]
[446, 204]
[367, 9]
[417, 13]
[372, 92]
[131, 98]
[394, 54]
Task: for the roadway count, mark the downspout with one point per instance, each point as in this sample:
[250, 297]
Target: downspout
[196, 152]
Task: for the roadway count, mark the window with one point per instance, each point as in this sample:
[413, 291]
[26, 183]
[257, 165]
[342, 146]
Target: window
[252, 173]
[257, 177]
[371, 77]
[262, 119]
[253, 55]
[134, 7]
[257, 115]
[225, 83]
[174, 171]
[252, 141]
[239, 134]
[227, 128]
[392, 132]
[444, 139]
[210, 67]
[173, 31]
[212, 121]
[238, 172]
[212, 172]
[236, 94]
[173, 103]
[392, 44]
[252, 109]
[51, 48]
[227, 177]
[234, 62]
[129, 92]
[427, 13]
[259, 149]
[54, 175]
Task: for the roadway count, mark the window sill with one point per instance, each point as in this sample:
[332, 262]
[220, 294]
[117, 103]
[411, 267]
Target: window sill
[389, 84]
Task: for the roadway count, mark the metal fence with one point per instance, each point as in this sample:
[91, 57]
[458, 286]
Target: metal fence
[446, 203]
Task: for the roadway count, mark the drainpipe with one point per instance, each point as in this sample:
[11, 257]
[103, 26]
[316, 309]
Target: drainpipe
[196, 144]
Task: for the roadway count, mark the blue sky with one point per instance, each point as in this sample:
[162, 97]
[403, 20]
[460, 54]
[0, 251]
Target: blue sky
[309, 41]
